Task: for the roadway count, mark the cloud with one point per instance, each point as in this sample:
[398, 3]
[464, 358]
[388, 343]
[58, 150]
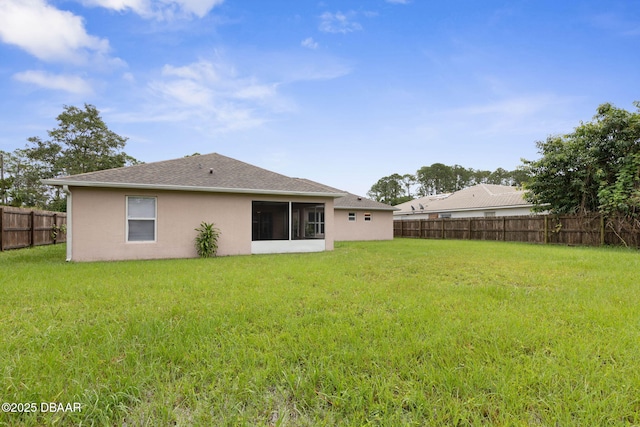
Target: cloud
[398, 1]
[616, 23]
[48, 33]
[516, 114]
[213, 94]
[309, 43]
[159, 9]
[68, 83]
[339, 23]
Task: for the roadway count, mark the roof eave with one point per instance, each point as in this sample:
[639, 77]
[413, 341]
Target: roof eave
[71, 183]
[360, 208]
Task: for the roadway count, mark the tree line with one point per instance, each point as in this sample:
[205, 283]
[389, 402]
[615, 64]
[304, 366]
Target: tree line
[438, 179]
[80, 143]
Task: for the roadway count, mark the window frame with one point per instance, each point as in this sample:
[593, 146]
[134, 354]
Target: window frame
[154, 219]
[352, 216]
[368, 217]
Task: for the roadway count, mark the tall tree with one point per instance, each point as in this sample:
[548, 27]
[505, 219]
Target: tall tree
[408, 180]
[20, 184]
[80, 143]
[389, 189]
[596, 168]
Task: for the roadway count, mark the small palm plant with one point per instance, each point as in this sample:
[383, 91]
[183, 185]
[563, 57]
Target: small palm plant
[207, 240]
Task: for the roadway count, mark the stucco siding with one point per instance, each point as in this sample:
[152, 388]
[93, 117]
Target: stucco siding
[379, 228]
[99, 223]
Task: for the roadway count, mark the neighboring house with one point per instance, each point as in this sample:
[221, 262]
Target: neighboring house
[482, 200]
[151, 210]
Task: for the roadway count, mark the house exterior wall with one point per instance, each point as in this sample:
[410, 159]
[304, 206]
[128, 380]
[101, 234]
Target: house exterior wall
[99, 223]
[379, 228]
[472, 213]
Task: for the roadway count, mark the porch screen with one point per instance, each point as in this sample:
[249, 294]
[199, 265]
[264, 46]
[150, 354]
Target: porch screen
[270, 221]
[287, 221]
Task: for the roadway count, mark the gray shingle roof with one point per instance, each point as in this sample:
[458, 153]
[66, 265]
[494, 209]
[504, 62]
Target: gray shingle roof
[354, 202]
[208, 172]
[481, 196]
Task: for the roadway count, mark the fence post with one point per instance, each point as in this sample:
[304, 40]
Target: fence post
[55, 229]
[33, 228]
[504, 228]
[602, 230]
[1, 229]
[546, 229]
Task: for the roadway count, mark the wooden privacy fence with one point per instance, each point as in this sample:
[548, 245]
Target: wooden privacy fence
[561, 229]
[21, 228]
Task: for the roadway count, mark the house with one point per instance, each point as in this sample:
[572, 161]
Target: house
[151, 211]
[482, 200]
[358, 218]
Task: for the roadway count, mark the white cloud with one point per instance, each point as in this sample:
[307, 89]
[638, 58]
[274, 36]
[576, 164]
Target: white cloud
[159, 9]
[68, 83]
[398, 1]
[516, 114]
[200, 71]
[309, 43]
[257, 91]
[215, 95]
[48, 33]
[339, 23]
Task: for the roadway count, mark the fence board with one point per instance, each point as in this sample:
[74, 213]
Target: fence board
[21, 228]
[589, 230]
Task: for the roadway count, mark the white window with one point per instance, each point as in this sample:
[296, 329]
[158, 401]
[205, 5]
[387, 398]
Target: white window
[141, 219]
[489, 214]
[367, 216]
[352, 216]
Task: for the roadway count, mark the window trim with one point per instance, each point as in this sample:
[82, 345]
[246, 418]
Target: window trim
[368, 217]
[154, 219]
[352, 216]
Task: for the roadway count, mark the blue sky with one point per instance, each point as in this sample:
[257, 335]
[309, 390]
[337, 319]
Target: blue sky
[340, 92]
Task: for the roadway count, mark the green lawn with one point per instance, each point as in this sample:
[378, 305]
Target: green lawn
[404, 332]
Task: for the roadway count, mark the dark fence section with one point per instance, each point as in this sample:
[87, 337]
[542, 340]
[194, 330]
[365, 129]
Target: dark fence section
[21, 228]
[560, 229]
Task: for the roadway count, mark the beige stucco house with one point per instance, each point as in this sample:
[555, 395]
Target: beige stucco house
[151, 211]
[482, 200]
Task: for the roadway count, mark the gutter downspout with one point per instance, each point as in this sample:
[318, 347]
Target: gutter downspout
[66, 190]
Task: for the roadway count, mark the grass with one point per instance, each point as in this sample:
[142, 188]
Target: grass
[404, 332]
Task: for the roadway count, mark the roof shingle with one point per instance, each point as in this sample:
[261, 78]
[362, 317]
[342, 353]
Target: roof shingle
[476, 197]
[208, 172]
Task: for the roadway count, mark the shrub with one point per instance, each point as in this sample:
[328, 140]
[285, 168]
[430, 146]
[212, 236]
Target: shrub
[207, 240]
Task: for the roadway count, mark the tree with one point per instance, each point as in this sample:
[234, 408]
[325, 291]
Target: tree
[389, 189]
[596, 168]
[81, 143]
[436, 179]
[440, 178]
[407, 181]
[20, 182]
